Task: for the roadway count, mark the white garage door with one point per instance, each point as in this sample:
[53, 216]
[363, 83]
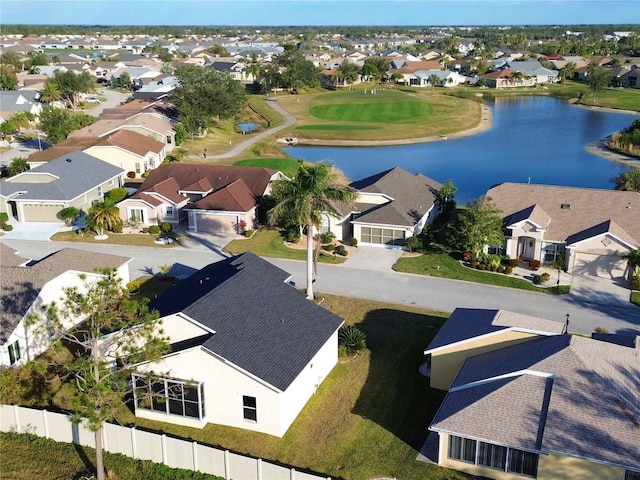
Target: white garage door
[212, 223]
[603, 266]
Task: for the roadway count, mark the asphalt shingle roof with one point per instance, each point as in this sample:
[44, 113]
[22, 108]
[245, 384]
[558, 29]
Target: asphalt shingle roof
[263, 325]
[71, 176]
[574, 396]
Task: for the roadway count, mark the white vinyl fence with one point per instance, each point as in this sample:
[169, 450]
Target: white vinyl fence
[147, 446]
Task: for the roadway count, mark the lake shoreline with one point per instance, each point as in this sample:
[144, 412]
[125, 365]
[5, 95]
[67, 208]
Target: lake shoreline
[600, 149]
[485, 124]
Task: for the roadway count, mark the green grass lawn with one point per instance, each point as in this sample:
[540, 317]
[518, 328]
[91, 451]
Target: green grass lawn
[137, 239]
[288, 166]
[267, 242]
[25, 457]
[635, 298]
[440, 262]
[384, 108]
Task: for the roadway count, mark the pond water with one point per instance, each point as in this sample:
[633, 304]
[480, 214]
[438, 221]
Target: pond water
[532, 139]
[248, 127]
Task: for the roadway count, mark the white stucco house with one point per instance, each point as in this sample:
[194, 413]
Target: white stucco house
[248, 349]
[26, 287]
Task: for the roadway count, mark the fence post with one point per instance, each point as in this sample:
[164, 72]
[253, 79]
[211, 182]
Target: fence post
[16, 417]
[133, 442]
[292, 474]
[163, 443]
[45, 422]
[194, 449]
[227, 467]
[259, 472]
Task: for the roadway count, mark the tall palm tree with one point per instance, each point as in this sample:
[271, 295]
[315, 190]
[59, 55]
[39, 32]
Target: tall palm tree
[303, 199]
[50, 93]
[103, 216]
[568, 71]
[433, 80]
[515, 77]
[633, 261]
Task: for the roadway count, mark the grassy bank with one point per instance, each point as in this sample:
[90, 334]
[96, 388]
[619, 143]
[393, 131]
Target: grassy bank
[440, 262]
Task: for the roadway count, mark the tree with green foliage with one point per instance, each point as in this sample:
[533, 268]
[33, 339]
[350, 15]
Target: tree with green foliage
[204, 94]
[57, 123]
[125, 81]
[96, 368]
[12, 59]
[72, 86]
[598, 77]
[8, 78]
[628, 181]
[18, 165]
[181, 134]
[633, 261]
[445, 196]
[568, 71]
[303, 199]
[352, 339]
[377, 66]
[50, 93]
[433, 81]
[218, 50]
[478, 224]
[347, 71]
[69, 214]
[103, 216]
[296, 71]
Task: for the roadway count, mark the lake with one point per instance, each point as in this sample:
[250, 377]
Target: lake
[532, 139]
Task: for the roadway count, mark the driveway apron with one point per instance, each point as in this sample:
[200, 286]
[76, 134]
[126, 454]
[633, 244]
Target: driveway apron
[373, 258]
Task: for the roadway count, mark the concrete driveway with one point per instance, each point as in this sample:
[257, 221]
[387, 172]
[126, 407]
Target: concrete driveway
[373, 258]
[32, 230]
[589, 290]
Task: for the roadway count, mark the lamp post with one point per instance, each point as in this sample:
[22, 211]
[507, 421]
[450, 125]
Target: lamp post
[566, 324]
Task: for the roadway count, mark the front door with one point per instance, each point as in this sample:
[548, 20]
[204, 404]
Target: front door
[526, 248]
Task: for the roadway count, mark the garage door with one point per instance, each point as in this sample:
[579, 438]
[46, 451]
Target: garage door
[603, 266]
[41, 213]
[212, 223]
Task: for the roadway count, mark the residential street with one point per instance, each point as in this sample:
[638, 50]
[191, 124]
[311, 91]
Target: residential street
[381, 284]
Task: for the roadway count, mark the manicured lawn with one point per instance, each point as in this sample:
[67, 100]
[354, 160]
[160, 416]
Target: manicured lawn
[269, 243]
[439, 262]
[137, 239]
[384, 108]
[635, 298]
[402, 113]
[25, 457]
[288, 166]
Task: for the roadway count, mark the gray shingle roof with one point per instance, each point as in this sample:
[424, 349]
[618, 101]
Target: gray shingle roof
[413, 196]
[263, 325]
[72, 175]
[20, 286]
[468, 323]
[574, 396]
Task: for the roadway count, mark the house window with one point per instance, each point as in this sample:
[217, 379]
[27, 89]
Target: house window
[629, 475]
[169, 396]
[136, 215]
[524, 463]
[249, 409]
[496, 250]
[492, 456]
[138, 168]
[14, 352]
[552, 251]
[168, 139]
[100, 191]
[462, 449]
[168, 210]
[325, 226]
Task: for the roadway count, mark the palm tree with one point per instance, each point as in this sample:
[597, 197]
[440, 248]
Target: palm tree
[304, 198]
[103, 216]
[50, 93]
[433, 80]
[568, 71]
[633, 261]
[515, 77]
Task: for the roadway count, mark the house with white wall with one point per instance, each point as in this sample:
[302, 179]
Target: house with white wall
[248, 349]
[26, 287]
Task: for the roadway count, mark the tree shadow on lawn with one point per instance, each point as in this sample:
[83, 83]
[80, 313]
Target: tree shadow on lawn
[395, 395]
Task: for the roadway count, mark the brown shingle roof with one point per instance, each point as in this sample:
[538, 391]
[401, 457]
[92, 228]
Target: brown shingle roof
[69, 145]
[9, 257]
[584, 208]
[235, 197]
[132, 142]
[587, 406]
[103, 127]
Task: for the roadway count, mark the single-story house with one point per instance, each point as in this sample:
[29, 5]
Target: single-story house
[12, 102]
[391, 206]
[26, 287]
[446, 78]
[505, 79]
[551, 406]
[248, 349]
[73, 180]
[536, 70]
[590, 228]
[213, 198]
[631, 79]
[128, 150]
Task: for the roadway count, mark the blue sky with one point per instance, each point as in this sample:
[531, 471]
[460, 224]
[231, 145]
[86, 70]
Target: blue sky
[326, 12]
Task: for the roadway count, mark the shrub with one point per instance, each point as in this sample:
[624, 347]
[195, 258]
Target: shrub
[513, 262]
[501, 269]
[292, 234]
[601, 330]
[534, 265]
[352, 338]
[635, 283]
[473, 264]
[508, 270]
[341, 250]
[154, 229]
[117, 227]
[116, 195]
[166, 227]
[354, 242]
[329, 248]
[327, 237]
[133, 286]
[69, 214]
[7, 228]
[145, 230]
[493, 268]
[414, 244]
[538, 279]
[131, 174]
[248, 233]
[482, 266]
[4, 217]
[467, 256]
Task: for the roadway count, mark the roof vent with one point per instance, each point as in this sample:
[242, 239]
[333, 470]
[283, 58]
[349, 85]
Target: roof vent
[565, 206]
[69, 160]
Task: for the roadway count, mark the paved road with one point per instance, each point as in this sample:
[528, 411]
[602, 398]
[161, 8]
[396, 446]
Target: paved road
[400, 288]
